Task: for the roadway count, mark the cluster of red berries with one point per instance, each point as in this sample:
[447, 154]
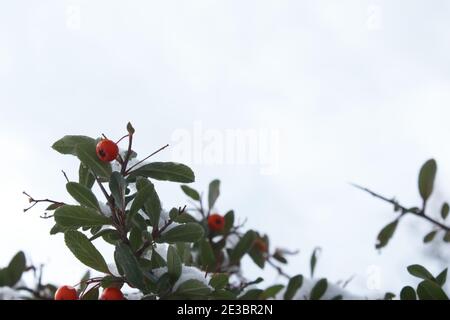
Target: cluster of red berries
[107, 150]
[70, 293]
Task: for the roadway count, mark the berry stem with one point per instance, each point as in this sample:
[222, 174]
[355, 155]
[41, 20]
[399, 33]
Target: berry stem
[127, 172]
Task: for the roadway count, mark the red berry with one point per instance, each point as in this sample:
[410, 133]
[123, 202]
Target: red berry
[216, 222]
[107, 150]
[112, 294]
[66, 293]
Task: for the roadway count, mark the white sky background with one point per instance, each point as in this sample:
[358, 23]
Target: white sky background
[358, 91]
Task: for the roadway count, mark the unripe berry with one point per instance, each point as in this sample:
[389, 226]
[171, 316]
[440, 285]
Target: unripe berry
[107, 150]
[66, 293]
[112, 294]
[216, 222]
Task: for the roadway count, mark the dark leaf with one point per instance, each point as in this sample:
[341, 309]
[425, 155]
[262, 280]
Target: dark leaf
[192, 193]
[193, 289]
[313, 260]
[295, 283]
[118, 185]
[430, 236]
[214, 192]
[83, 195]
[386, 234]
[427, 175]
[87, 155]
[189, 232]
[271, 292]
[173, 264]
[445, 210]
[219, 281]
[67, 144]
[429, 290]
[421, 272]
[319, 289]
[85, 251]
[130, 266]
[77, 217]
[442, 277]
[85, 177]
[243, 246]
[166, 171]
[408, 293]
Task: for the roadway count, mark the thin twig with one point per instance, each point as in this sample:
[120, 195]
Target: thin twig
[128, 155]
[146, 158]
[65, 176]
[419, 213]
[278, 268]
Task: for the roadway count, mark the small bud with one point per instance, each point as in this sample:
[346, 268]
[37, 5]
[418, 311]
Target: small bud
[130, 128]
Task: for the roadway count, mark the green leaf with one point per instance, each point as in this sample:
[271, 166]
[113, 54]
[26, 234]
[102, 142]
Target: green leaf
[166, 171]
[427, 175]
[408, 293]
[192, 193]
[83, 280]
[189, 232]
[271, 292]
[278, 255]
[207, 258]
[85, 251]
[103, 233]
[223, 294]
[111, 281]
[148, 198]
[447, 236]
[118, 185]
[135, 238]
[429, 237]
[257, 256]
[88, 156]
[243, 246]
[77, 217]
[214, 192]
[429, 290]
[85, 177]
[91, 294]
[386, 234]
[54, 206]
[313, 260]
[421, 272]
[173, 264]
[229, 221]
[56, 229]
[157, 260]
[15, 269]
[83, 195]
[445, 210]
[193, 289]
[252, 294]
[68, 144]
[130, 128]
[389, 296]
[219, 280]
[184, 217]
[442, 277]
[319, 289]
[128, 263]
[295, 283]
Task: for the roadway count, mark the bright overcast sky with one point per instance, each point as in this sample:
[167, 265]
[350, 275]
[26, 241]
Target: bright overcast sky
[335, 91]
